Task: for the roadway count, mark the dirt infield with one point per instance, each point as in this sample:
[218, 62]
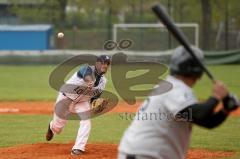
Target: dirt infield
[94, 151]
[40, 107]
[62, 151]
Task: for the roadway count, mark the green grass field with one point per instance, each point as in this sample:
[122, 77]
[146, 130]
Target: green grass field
[21, 129]
[31, 83]
[26, 129]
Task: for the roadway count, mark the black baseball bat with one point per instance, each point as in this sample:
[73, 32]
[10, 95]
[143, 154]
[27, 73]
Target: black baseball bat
[178, 34]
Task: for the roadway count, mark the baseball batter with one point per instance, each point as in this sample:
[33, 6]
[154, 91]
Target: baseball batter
[162, 127]
[75, 97]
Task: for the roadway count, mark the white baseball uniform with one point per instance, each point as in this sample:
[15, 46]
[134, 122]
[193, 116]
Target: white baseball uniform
[155, 133]
[77, 103]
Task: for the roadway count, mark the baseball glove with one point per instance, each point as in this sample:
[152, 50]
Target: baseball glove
[98, 105]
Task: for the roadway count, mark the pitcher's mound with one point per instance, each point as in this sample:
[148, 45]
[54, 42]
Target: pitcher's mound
[94, 151]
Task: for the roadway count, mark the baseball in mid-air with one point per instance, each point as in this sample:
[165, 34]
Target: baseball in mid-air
[60, 35]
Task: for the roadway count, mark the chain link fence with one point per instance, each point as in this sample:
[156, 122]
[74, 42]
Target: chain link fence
[88, 24]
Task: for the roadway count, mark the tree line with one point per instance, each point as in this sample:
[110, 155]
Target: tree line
[101, 14]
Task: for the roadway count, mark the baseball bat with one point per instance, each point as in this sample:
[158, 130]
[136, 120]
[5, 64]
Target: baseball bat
[178, 34]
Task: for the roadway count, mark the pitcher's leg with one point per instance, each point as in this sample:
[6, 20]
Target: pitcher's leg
[57, 124]
[83, 134]
[85, 127]
[61, 112]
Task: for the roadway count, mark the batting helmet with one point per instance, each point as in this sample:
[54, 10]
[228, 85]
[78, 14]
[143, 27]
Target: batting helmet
[182, 62]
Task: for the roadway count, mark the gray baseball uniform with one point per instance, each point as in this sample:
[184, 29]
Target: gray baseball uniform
[155, 131]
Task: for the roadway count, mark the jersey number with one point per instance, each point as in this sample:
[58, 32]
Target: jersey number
[78, 90]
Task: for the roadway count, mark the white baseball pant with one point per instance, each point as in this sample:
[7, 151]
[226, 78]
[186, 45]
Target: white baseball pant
[57, 124]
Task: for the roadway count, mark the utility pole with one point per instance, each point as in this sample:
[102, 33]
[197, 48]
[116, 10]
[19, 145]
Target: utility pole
[109, 19]
[226, 25]
[169, 4]
[141, 20]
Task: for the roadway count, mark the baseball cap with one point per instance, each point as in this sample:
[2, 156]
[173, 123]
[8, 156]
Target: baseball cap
[104, 58]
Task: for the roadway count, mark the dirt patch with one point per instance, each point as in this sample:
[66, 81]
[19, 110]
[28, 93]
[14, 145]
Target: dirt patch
[41, 107]
[26, 107]
[94, 151]
[57, 151]
[236, 113]
[206, 154]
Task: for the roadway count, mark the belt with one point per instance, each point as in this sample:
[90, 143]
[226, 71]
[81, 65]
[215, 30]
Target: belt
[130, 157]
[66, 96]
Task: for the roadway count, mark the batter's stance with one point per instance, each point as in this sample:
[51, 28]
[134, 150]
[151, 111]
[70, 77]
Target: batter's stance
[83, 87]
[162, 127]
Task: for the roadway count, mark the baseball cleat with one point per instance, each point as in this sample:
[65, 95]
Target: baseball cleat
[76, 152]
[49, 134]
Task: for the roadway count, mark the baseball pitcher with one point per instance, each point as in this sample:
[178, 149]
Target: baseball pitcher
[162, 127]
[76, 96]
